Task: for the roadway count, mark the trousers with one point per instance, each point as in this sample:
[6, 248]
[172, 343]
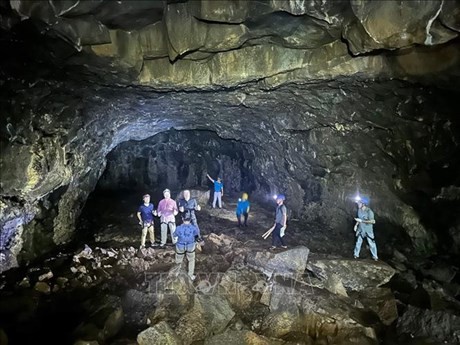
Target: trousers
[189, 251]
[164, 232]
[148, 229]
[370, 240]
[218, 198]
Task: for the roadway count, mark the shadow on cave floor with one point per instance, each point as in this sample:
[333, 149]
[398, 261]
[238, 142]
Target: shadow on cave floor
[110, 220]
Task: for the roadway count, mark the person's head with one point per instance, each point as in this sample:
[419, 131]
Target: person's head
[186, 219]
[363, 202]
[186, 194]
[280, 199]
[244, 196]
[146, 198]
[219, 179]
[167, 193]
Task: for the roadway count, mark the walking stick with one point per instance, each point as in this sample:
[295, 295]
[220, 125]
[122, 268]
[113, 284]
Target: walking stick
[268, 232]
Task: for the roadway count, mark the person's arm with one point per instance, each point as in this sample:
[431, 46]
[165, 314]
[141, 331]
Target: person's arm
[175, 209]
[175, 233]
[197, 207]
[222, 191]
[139, 217]
[284, 221]
[160, 208]
[249, 206]
[209, 177]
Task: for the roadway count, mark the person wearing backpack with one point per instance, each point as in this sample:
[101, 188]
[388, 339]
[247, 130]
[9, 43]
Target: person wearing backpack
[187, 235]
[364, 228]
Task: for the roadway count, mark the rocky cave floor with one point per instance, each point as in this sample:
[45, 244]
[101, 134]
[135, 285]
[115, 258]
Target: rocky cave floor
[104, 290]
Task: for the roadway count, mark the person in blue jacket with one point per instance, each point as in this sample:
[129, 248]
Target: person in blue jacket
[187, 235]
[218, 191]
[242, 209]
[364, 228]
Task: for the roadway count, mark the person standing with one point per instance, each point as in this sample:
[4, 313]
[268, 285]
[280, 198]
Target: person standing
[167, 211]
[145, 215]
[280, 223]
[218, 191]
[187, 235]
[364, 228]
[242, 209]
[188, 206]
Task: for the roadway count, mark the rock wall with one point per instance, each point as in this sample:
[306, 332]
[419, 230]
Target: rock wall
[207, 44]
[318, 143]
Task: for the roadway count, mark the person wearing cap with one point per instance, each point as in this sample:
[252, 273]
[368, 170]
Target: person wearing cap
[188, 206]
[187, 235]
[242, 209]
[218, 191]
[364, 228]
[145, 215]
[167, 211]
[280, 223]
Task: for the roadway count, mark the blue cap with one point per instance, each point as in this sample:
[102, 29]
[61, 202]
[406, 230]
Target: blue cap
[280, 197]
[364, 200]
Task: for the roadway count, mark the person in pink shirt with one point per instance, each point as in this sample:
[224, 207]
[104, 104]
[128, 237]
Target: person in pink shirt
[167, 211]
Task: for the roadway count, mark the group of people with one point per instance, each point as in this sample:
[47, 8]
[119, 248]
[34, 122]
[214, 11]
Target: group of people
[186, 235]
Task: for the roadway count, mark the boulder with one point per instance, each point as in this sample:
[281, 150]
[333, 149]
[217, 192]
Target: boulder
[106, 318]
[382, 302]
[175, 293]
[42, 287]
[436, 325]
[137, 306]
[290, 263]
[355, 275]
[298, 308]
[210, 315]
[241, 337]
[239, 285]
[161, 333]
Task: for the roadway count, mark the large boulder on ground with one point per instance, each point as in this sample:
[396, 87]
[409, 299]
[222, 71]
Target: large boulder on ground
[240, 285]
[355, 275]
[137, 305]
[242, 337]
[298, 308]
[382, 302]
[161, 333]
[436, 325]
[105, 320]
[210, 315]
[175, 293]
[289, 263]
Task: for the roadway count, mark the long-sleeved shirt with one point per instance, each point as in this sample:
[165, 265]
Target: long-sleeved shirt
[166, 209]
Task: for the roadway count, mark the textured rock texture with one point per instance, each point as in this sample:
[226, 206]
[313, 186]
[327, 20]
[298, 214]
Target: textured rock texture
[316, 99]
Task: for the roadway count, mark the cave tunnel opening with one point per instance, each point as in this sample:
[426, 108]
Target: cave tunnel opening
[176, 160]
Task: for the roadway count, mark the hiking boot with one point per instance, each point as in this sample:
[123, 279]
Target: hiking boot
[355, 257]
[192, 277]
[375, 259]
[284, 247]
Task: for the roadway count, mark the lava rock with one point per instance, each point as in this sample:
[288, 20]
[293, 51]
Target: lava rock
[436, 325]
[42, 287]
[382, 302]
[210, 315]
[289, 263]
[161, 333]
[243, 337]
[354, 274]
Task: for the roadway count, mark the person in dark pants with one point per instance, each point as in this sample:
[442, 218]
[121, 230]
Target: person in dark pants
[242, 209]
[188, 206]
[280, 223]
